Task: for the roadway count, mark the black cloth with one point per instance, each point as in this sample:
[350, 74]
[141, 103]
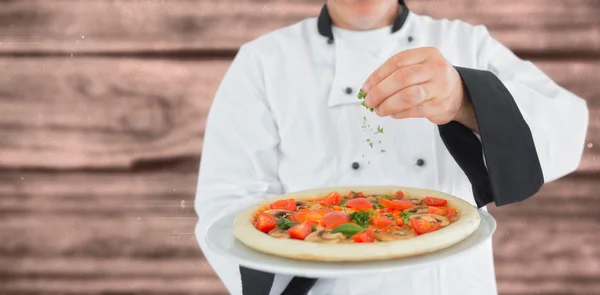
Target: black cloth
[513, 171]
[255, 282]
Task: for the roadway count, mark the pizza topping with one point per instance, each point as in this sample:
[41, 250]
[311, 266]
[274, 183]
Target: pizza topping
[416, 201]
[381, 221]
[431, 218]
[360, 204]
[288, 204]
[333, 198]
[399, 195]
[278, 213]
[431, 201]
[365, 236]
[361, 218]
[285, 223]
[395, 233]
[265, 222]
[300, 231]
[348, 229]
[417, 209]
[343, 202]
[436, 210]
[312, 216]
[279, 233]
[396, 204]
[451, 215]
[333, 219]
[405, 216]
[386, 197]
[323, 236]
[301, 205]
[422, 226]
[353, 195]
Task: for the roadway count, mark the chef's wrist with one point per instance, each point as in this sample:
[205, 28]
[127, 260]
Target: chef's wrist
[466, 112]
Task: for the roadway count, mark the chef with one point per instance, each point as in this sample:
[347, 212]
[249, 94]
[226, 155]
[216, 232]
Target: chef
[452, 110]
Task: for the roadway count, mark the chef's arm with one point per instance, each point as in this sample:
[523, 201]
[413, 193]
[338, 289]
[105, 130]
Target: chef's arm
[239, 155]
[532, 131]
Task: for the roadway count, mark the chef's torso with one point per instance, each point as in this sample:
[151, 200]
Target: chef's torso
[311, 89]
[327, 137]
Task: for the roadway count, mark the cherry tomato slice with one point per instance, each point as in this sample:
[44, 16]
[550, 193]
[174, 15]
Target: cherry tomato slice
[423, 227]
[399, 221]
[332, 199]
[450, 212]
[396, 204]
[386, 210]
[265, 222]
[300, 231]
[431, 201]
[381, 221]
[288, 204]
[333, 219]
[365, 236]
[436, 211]
[399, 195]
[360, 204]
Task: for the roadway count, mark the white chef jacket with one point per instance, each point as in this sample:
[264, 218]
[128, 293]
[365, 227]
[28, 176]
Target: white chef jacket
[286, 118]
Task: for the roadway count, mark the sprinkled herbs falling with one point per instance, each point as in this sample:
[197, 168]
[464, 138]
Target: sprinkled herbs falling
[367, 127]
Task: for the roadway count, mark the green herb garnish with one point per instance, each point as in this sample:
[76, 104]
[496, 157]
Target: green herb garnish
[379, 129]
[314, 227]
[361, 218]
[361, 94]
[343, 203]
[347, 229]
[390, 216]
[284, 223]
[386, 197]
[405, 216]
[382, 151]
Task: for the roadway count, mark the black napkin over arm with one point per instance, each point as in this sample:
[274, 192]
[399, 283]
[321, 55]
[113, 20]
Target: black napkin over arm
[513, 171]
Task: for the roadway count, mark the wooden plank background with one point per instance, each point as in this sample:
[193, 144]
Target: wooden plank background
[102, 109]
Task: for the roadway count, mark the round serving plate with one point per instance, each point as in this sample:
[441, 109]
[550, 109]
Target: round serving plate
[221, 239]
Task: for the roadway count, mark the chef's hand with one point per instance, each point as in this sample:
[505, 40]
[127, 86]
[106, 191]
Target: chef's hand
[419, 83]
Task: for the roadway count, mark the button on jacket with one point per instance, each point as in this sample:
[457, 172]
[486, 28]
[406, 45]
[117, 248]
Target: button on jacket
[286, 118]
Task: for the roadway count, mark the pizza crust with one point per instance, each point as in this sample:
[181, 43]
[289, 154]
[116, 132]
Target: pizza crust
[244, 230]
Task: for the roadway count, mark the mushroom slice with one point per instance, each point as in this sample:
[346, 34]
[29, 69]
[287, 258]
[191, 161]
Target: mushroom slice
[372, 198]
[395, 233]
[416, 201]
[326, 237]
[431, 218]
[417, 209]
[301, 204]
[278, 213]
[279, 233]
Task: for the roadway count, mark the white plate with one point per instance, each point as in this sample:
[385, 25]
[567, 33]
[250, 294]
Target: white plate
[221, 239]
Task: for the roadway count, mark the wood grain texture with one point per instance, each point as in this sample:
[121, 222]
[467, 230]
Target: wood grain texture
[69, 26]
[113, 113]
[102, 113]
[65, 113]
[88, 275]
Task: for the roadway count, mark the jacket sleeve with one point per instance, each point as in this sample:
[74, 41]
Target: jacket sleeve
[532, 131]
[239, 155]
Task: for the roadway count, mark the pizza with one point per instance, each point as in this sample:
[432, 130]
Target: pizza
[356, 223]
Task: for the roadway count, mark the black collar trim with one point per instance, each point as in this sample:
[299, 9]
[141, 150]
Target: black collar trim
[324, 21]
